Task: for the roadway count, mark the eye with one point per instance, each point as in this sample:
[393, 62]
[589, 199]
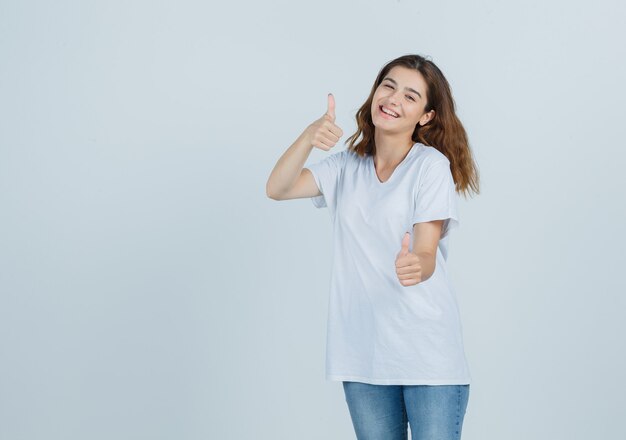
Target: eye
[410, 97]
[387, 85]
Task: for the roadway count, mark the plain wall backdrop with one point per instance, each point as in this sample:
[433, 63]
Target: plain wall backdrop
[150, 290]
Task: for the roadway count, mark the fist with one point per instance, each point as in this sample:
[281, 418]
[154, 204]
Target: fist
[408, 266]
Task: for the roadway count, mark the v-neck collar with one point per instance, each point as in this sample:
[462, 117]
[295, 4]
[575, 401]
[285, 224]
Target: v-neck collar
[373, 166]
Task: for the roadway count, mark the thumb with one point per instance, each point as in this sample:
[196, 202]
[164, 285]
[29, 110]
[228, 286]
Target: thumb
[405, 244]
[331, 107]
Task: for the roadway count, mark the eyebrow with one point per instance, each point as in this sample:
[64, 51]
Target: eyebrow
[406, 88]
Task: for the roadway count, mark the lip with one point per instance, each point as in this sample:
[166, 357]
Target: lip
[385, 115]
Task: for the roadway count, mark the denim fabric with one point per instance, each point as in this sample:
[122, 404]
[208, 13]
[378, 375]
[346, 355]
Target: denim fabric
[382, 412]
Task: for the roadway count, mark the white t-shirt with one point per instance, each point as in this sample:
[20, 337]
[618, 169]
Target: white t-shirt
[379, 331]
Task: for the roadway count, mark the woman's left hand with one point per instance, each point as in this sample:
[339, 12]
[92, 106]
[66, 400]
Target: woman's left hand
[408, 265]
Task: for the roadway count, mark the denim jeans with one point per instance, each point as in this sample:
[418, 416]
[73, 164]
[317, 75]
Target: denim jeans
[381, 412]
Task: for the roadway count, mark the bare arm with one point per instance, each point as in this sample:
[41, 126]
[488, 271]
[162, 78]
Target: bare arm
[417, 265]
[426, 237]
[289, 179]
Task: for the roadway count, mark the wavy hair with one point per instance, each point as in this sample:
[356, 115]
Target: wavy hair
[443, 132]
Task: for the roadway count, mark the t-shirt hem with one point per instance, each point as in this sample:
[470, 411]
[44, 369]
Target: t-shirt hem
[376, 381]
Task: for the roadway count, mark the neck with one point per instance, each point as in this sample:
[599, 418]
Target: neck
[391, 148]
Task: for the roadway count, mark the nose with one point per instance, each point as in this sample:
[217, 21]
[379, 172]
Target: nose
[394, 98]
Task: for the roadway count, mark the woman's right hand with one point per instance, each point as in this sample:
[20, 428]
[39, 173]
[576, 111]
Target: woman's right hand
[323, 133]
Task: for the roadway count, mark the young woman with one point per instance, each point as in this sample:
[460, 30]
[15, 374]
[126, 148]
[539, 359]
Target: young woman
[394, 336]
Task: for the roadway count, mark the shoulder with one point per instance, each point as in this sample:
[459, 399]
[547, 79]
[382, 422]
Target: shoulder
[351, 158]
[433, 155]
[432, 168]
[332, 159]
[342, 155]
[429, 158]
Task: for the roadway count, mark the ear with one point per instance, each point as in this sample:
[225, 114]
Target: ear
[427, 117]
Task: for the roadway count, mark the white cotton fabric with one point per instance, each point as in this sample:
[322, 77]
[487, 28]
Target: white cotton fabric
[379, 331]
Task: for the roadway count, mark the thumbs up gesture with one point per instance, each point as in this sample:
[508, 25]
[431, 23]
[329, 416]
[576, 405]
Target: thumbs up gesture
[408, 265]
[323, 133]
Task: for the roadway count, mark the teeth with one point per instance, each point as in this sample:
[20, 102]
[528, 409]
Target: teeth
[389, 112]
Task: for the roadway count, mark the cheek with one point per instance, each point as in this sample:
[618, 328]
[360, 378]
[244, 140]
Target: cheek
[375, 100]
[415, 115]
[381, 92]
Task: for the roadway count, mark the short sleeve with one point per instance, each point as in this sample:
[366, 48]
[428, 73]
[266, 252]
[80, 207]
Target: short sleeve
[326, 173]
[436, 197]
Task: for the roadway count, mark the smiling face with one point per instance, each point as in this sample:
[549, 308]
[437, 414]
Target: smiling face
[403, 93]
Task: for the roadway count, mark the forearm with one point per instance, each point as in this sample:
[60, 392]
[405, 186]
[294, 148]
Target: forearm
[427, 261]
[289, 165]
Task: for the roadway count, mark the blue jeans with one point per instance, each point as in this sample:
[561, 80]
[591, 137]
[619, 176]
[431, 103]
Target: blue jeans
[381, 412]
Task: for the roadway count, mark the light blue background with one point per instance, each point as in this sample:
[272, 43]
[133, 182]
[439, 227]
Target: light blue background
[150, 290]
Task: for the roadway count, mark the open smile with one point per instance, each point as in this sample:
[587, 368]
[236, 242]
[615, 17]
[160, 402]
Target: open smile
[386, 113]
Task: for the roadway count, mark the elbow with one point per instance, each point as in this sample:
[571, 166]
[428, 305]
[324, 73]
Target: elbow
[269, 193]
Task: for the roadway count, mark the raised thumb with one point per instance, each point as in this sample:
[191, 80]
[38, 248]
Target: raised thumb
[405, 244]
[331, 107]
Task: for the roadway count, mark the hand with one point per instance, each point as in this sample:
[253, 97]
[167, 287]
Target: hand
[323, 133]
[408, 265]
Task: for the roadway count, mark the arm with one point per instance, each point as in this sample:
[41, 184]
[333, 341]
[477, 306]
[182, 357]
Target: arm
[289, 179]
[435, 213]
[417, 265]
[425, 240]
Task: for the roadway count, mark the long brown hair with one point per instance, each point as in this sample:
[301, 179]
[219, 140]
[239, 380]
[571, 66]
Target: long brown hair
[443, 132]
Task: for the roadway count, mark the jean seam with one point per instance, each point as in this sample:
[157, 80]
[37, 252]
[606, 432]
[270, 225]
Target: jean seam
[458, 411]
[405, 420]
